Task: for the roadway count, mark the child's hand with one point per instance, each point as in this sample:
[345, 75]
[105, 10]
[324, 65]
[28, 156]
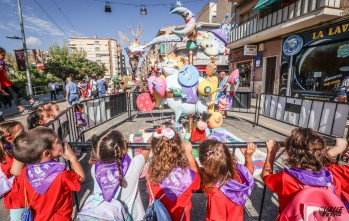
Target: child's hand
[251, 148]
[341, 147]
[341, 143]
[187, 148]
[272, 146]
[68, 152]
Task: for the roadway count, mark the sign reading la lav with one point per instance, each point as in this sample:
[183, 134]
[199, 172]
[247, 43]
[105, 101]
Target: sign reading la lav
[250, 50]
[293, 44]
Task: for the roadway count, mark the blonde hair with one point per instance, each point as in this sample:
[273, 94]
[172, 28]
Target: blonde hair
[167, 155]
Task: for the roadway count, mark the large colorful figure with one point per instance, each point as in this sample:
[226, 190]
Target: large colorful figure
[134, 49]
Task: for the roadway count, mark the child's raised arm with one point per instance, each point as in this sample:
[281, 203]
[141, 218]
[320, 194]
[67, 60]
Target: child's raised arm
[69, 154]
[189, 155]
[251, 148]
[146, 152]
[272, 148]
[340, 147]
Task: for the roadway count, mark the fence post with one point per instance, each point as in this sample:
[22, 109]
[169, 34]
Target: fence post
[255, 110]
[262, 203]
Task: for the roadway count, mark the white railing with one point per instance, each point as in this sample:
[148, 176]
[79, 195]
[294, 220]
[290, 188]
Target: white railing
[256, 24]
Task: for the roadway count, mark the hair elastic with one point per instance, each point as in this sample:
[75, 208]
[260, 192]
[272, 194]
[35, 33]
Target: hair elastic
[164, 132]
[210, 152]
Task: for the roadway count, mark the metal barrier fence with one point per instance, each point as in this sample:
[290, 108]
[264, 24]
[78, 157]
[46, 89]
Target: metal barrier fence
[97, 112]
[40, 90]
[87, 146]
[243, 100]
[326, 117]
[100, 110]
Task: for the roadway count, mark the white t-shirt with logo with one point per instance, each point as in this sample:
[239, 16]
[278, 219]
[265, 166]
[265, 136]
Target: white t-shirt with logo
[131, 191]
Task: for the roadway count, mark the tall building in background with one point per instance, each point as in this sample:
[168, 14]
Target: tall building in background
[105, 51]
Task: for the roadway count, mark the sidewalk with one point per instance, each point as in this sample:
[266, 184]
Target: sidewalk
[12, 111]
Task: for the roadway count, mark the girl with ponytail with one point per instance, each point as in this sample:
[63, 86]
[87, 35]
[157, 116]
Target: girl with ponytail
[114, 171]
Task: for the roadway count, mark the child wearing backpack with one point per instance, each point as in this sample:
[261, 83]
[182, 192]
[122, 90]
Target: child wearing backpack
[307, 157]
[9, 130]
[45, 185]
[173, 173]
[226, 183]
[116, 176]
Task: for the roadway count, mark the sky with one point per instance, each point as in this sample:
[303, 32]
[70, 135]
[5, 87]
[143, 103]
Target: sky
[87, 18]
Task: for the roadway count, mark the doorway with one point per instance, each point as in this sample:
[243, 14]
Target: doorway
[270, 75]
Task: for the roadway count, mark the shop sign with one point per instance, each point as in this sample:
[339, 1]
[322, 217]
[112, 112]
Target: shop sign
[258, 61]
[292, 45]
[238, 55]
[317, 74]
[336, 32]
[250, 50]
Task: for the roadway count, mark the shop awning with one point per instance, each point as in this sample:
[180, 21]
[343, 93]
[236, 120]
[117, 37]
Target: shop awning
[262, 4]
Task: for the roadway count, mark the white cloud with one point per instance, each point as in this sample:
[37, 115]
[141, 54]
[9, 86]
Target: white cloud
[38, 25]
[9, 2]
[33, 42]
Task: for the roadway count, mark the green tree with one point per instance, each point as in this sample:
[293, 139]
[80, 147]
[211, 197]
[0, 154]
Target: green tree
[63, 64]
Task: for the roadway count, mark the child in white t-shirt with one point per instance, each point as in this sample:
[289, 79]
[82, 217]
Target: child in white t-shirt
[112, 164]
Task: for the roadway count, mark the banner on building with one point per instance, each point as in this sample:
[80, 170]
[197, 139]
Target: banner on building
[38, 58]
[20, 59]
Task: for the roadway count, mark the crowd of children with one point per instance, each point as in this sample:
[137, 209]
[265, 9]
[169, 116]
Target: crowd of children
[35, 180]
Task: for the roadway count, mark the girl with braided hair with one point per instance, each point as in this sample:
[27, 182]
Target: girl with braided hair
[114, 170]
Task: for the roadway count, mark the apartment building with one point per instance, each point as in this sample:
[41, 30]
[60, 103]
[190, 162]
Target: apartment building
[298, 46]
[105, 51]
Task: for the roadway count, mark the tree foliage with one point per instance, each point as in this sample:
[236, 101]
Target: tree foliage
[62, 64]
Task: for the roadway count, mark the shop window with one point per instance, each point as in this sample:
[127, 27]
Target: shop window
[322, 68]
[245, 74]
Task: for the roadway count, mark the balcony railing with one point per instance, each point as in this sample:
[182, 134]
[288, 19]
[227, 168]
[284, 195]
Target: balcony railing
[301, 7]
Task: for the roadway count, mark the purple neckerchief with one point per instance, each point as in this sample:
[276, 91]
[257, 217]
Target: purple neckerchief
[80, 118]
[8, 147]
[192, 94]
[177, 182]
[107, 176]
[4, 65]
[41, 175]
[218, 136]
[309, 178]
[237, 192]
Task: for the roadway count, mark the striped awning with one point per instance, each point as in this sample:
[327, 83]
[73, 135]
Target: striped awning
[262, 4]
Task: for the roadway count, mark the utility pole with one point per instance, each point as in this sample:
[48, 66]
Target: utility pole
[29, 80]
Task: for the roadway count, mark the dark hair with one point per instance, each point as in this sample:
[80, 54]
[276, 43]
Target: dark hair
[78, 107]
[219, 164]
[307, 150]
[29, 145]
[167, 155]
[2, 50]
[6, 131]
[107, 148]
[35, 117]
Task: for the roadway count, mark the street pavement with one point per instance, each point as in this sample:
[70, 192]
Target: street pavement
[13, 111]
[240, 124]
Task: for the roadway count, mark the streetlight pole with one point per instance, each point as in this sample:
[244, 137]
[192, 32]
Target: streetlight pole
[29, 80]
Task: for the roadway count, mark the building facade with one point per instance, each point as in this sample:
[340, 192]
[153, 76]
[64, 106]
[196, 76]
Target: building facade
[105, 51]
[267, 25]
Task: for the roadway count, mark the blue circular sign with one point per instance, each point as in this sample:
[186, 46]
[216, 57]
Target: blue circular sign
[292, 45]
